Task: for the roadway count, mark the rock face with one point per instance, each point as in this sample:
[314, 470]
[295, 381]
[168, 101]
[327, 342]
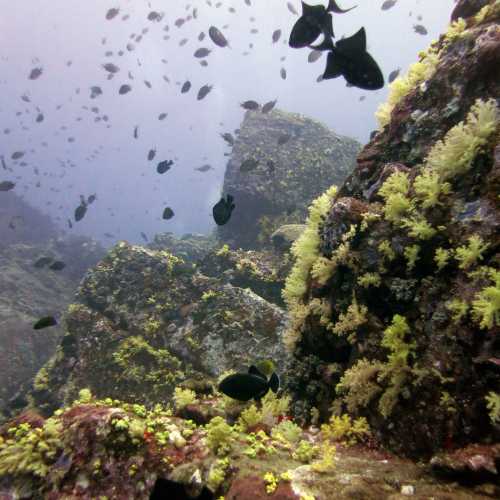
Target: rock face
[395, 302]
[190, 247]
[145, 321]
[298, 159]
[27, 294]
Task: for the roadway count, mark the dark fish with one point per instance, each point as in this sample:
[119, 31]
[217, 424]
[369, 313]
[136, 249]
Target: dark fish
[39, 118]
[283, 139]
[95, 91]
[217, 37]
[315, 20]
[45, 322]
[250, 105]
[111, 68]
[16, 155]
[349, 58]
[183, 42]
[151, 154]
[163, 166]
[268, 106]
[251, 385]
[203, 92]
[35, 73]
[162, 116]
[248, 165]
[124, 89]
[42, 262]
[292, 9]
[201, 37]
[6, 185]
[168, 213]
[109, 235]
[201, 52]
[70, 224]
[393, 75]
[144, 237]
[228, 138]
[222, 210]
[112, 13]
[421, 30]
[155, 16]
[91, 199]
[80, 212]
[179, 22]
[283, 73]
[185, 87]
[276, 35]
[4, 165]
[388, 4]
[333, 7]
[203, 63]
[314, 55]
[57, 265]
[204, 168]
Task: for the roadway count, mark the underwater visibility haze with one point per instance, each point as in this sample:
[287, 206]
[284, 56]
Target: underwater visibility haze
[249, 249]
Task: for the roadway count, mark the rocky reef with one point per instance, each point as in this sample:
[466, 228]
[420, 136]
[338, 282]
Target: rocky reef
[394, 296]
[144, 321]
[189, 247]
[298, 159]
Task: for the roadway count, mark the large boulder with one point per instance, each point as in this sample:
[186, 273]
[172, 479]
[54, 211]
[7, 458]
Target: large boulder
[394, 297]
[289, 175]
[145, 321]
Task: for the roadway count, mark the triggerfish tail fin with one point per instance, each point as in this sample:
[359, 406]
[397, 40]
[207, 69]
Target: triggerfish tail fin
[274, 382]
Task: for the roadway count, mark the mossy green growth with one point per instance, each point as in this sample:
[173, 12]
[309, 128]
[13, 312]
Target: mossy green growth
[220, 436]
[287, 431]
[486, 304]
[411, 253]
[305, 452]
[343, 428]
[441, 257]
[458, 309]
[183, 397]
[429, 188]
[472, 253]
[369, 279]
[217, 474]
[394, 191]
[493, 405]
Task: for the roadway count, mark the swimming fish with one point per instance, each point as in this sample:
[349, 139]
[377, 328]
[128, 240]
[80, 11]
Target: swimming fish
[251, 385]
[203, 92]
[250, 105]
[217, 37]
[388, 4]
[276, 35]
[163, 166]
[201, 52]
[315, 20]
[204, 168]
[168, 213]
[151, 154]
[393, 75]
[349, 58]
[6, 185]
[45, 322]
[80, 212]
[222, 210]
[420, 29]
[228, 138]
[42, 262]
[57, 265]
[185, 87]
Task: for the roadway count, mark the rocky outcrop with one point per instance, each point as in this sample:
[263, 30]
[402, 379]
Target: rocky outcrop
[395, 293]
[26, 295]
[144, 321]
[189, 247]
[298, 159]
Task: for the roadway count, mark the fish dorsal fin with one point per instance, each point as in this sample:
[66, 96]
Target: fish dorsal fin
[327, 27]
[355, 44]
[253, 370]
[274, 382]
[307, 9]
[333, 7]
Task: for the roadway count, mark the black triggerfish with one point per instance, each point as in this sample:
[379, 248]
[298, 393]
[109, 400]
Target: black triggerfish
[251, 385]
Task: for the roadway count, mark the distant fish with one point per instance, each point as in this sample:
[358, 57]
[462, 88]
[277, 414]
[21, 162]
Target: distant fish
[151, 154]
[57, 265]
[217, 37]
[268, 106]
[112, 13]
[228, 138]
[204, 168]
[314, 55]
[80, 212]
[250, 105]
[388, 4]
[223, 209]
[136, 132]
[248, 165]
[276, 36]
[124, 89]
[251, 385]
[155, 16]
[162, 116]
[144, 237]
[91, 199]
[168, 213]
[291, 8]
[35, 73]
[283, 73]
[7, 185]
[164, 166]
[45, 322]
[420, 29]
[393, 75]
[185, 87]
[16, 155]
[201, 52]
[95, 91]
[111, 68]
[203, 92]
[201, 37]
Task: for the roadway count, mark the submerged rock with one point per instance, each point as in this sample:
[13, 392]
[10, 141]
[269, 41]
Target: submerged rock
[297, 158]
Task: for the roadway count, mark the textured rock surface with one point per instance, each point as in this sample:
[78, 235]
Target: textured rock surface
[313, 159]
[27, 294]
[145, 320]
[190, 247]
[432, 383]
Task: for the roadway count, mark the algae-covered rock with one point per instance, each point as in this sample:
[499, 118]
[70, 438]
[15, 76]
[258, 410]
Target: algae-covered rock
[394, 297]
[144, 321]
[298, 159]
[284, 236]
[189, 247]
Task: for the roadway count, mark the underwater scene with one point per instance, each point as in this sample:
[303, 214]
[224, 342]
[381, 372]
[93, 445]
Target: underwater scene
[250, 249]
